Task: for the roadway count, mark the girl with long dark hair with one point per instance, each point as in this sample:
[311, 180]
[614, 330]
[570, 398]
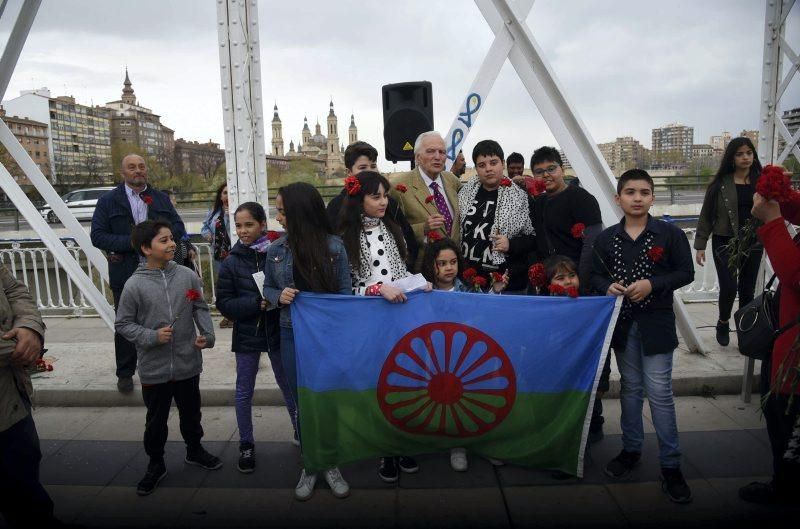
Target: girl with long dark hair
[726, 218]
[308, 258]
[376, 251]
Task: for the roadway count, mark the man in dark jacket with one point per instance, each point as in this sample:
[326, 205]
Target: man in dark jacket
[132, 202]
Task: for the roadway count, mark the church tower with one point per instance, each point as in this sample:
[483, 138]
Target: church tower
[306, 132]
[127, 91]
[277, 134]
[352, 131]
[333, 133]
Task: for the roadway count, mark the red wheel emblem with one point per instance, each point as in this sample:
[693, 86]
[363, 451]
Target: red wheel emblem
[447, 379]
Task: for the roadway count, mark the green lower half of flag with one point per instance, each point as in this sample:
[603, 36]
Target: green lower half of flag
[541, 430]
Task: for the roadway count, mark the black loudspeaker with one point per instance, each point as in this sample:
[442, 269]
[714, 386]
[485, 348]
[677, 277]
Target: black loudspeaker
[407, 113]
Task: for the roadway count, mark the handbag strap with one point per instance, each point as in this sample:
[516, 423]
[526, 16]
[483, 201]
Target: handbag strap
[769, 283]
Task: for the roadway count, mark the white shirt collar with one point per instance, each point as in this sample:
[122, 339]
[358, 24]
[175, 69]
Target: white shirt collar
[130, 192]
[428, 181]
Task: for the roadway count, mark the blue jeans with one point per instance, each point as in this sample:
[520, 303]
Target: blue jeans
[246, 371]
[289, 360]
[640, 374]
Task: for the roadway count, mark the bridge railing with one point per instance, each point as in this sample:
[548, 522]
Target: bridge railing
[56, 295]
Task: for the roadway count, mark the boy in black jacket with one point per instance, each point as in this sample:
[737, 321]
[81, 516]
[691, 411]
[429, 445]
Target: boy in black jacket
[644, 260]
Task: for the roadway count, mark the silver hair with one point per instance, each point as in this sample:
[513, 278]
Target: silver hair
[418, 142]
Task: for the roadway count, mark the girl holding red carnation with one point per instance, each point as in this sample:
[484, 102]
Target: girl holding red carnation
[377, 254]
[724, 217]
[255, 329]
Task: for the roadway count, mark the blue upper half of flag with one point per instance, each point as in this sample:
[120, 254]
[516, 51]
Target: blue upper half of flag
[551, 344]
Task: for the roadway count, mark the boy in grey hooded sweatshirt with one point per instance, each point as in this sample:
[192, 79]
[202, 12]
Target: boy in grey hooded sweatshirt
[158, 310]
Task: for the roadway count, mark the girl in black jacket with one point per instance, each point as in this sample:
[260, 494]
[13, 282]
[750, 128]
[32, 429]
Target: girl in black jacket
[255, 328]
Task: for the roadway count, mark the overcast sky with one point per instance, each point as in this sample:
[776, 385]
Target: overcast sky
[627, 66]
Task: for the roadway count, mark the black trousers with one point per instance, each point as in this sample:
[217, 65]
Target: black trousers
[158, 399]
[780, 419]
[597, 421]
[124, 350]
[743, 281]
[23, 500]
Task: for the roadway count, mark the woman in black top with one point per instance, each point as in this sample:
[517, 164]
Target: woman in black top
[725, 213]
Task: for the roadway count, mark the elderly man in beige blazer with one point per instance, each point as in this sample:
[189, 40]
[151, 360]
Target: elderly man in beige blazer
[428, 195]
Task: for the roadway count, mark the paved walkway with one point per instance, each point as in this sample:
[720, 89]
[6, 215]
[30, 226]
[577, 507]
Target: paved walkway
[82, 353]
[93, 458]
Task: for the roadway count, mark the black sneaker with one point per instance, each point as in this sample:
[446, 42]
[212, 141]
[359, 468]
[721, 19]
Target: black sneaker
[247, 458]
[155, 473]
[675, 486]
[758, 492]
[622, 465]
[388, 471]
[723, 334]
[125, 385]
[201, 458]
[407, 464]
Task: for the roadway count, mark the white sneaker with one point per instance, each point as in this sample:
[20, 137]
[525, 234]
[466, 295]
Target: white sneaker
[495, 462]
[336, 482]
[458, 459]
[305, 487]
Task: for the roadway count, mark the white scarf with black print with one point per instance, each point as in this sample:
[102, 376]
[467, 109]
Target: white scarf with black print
[511, 214]
[397, 265]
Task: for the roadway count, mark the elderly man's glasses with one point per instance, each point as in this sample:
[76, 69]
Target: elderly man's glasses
[551, 169]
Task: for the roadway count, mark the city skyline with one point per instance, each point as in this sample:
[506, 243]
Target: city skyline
[624, 74]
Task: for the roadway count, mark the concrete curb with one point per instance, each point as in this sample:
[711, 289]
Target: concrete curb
[106, 395]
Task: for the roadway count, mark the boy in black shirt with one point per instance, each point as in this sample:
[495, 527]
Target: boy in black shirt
[644, 260]
[557, 213]
[556, 216]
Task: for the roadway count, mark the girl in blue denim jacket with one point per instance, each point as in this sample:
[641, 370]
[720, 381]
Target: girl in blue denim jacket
[309, 258]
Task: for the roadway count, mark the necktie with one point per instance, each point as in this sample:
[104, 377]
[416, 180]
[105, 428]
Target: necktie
[441, 205]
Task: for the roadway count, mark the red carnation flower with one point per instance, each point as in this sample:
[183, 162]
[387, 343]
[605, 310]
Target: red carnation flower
[505, 182]
[556, 290]
[774, 184]
[656, 253]
[193, 295]
[147, 199]
[469, 274]
[577, 230]
[536, 275]
[434, 235]
[273, 236]
[537, 188]
[497, 276]
[352, 185]
[572, 292]
[401, 188]
[479, 282]
[429, 199]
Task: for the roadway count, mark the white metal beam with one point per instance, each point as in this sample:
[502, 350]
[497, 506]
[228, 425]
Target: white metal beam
[507, 21]
[59, 251]
[468, 111]
[539, 79]
[19, 34]
[55, 202]
[242, 111]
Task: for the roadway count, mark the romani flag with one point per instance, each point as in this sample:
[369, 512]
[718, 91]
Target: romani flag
[508, 377]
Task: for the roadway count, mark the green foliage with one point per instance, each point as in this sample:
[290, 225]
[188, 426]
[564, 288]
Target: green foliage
[300, 170]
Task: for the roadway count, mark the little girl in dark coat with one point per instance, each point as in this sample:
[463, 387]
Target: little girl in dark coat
[255, 329]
